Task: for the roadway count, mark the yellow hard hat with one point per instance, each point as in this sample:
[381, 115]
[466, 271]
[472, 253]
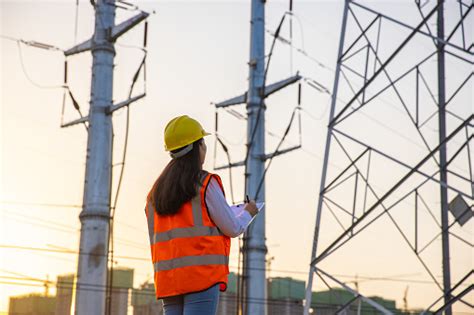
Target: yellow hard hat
[182, 131]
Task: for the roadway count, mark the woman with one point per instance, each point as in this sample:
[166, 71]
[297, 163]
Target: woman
[190, 225]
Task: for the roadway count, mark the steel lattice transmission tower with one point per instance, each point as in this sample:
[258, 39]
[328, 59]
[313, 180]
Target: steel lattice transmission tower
[398, 145]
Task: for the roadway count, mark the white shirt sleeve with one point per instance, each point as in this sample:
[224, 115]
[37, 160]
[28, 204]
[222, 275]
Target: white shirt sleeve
[229, 223]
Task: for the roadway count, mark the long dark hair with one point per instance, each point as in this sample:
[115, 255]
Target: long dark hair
[178, 182]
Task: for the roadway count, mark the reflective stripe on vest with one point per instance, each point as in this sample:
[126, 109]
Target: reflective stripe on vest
[187, 261]
[197, 212]
[185, 232]
[151, 220]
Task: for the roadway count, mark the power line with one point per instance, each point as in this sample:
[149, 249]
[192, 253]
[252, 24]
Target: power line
[64, 86]
[50, 205]
[32, 43]
[326, 90]
[76, 21]
[68, 251]
[65, 205]
[323, 65]
[276, 35]
[24, 277]
[370, 117]
[45, 225]
[25, 72]
[276, 151]
[63, 227]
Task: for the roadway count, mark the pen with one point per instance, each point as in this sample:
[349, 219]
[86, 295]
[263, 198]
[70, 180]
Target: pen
[247, 198]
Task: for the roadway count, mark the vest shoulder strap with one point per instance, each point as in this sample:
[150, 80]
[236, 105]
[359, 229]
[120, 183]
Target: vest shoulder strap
[207, 180]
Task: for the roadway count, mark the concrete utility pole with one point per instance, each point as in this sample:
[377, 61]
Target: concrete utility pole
[93, 248]
[254, 241]
[442, 158]
[254, 248]
[95, 215]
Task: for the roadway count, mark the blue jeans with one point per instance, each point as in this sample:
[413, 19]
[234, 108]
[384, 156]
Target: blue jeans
[199, 303]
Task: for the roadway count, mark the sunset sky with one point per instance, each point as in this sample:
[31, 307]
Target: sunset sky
[197, 55]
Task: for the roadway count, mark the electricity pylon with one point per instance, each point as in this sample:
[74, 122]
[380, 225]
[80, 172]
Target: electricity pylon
[382, 173]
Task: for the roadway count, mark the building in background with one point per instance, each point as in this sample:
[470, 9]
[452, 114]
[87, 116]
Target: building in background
[32, 304]
[228, 299]
[285, 296]
[144, 301]
[64, 294]
[122, 283]
[44, 304]
[328, 302]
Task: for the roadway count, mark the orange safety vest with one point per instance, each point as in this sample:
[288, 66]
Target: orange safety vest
[188, 250]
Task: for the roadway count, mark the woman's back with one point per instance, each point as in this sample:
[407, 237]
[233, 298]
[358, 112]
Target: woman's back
[190, 224]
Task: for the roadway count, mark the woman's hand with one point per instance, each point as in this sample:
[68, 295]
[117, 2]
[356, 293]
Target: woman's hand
[251, 208]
